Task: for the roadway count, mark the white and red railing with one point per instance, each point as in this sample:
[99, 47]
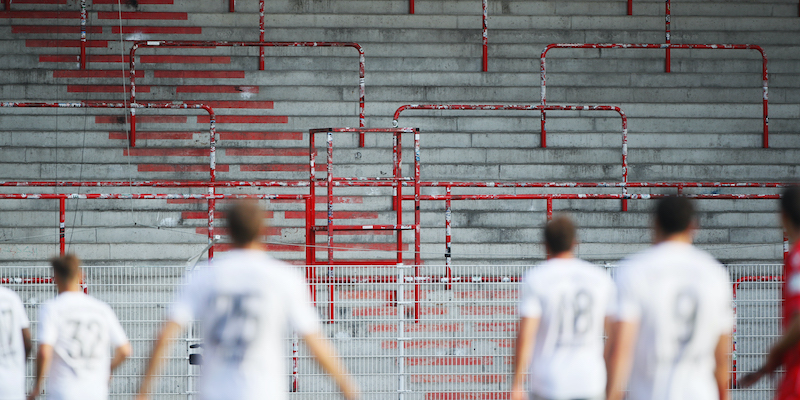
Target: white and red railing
[764, 75]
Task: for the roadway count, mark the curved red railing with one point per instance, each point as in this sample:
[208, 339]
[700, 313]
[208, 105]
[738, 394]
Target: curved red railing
[207, 44]
[764, 75]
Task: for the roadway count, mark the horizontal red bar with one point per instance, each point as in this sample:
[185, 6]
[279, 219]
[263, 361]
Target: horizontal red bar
[274, 167]
[54, 29]
[324, 199]
[336, 215]
[166, 152]
[260, 135]
[143, 15]
[64, 43]
[261, 105]
[245, 119]
[95, 73]
[179, 168]
[153, 135]
[468, 396]
[104, 89]
[145, 119]
[41, 14]
[217, 214]
[287, 152]
[428, 344]
[185, 59]
[89, 58]
[199, 74]
[174, 30]
[427, 378]
[216, 89]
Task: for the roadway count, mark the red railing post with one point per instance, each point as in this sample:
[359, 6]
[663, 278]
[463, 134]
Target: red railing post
[83, 35]
[549, 208]
[260, 34]
[667, 15]
[630, 7]
[330, 224]
[62, 213]
[231, 5]
[410, 6]
[485, 39]
[448, 217]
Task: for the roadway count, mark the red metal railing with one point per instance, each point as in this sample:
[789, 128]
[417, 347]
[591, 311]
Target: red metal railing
[764, 87]
[213, 44]
[83, 35]
[485, 37]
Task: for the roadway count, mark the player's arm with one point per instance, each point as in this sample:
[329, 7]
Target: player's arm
[169, 331]
[326, 356]
[526, 338]
[120, 354]
[620, 357]
[43, 359]
[790, 338]
[723, 367]
[26, 341]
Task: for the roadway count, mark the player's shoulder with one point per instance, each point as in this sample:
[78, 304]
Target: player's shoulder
[6, 293]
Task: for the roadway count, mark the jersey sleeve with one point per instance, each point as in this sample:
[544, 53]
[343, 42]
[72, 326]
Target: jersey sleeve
[302, 315]
[792, 279]
[530, 305]
[185, 307]
[628, 305]
[726, 306]
[116, 334]
[48, 331]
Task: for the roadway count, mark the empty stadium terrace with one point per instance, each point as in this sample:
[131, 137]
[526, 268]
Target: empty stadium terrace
[124, 131]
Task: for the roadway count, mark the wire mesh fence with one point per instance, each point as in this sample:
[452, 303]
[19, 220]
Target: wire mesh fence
[404, 332]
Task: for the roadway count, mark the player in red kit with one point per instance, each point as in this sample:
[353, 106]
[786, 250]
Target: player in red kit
[786, 351]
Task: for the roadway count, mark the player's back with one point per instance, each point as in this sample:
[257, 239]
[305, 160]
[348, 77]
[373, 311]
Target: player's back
[12, 349]
[681, 297]
[572, 298]
[82, 331]
[247, 302]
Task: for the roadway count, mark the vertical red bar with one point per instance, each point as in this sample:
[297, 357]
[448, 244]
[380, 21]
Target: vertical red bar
[410, 6]
[549, 208]
[295, 351]
[83, 35]
[765, 97]
[448, 216]
[132, 137]
[231, 5]
[62, 215]
[398, 191]
[417, 215]
[7, 4]
[485, 39]
[667, 14]
[260, 34]
[543, 136]
[330, 225]
[630, 7]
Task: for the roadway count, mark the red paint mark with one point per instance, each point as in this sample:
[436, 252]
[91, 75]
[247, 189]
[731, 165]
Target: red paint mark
[154, 135]
[261, 105]
[488, 310]
[468, 396]
[199, 74]
[179, 168]
[89, 58]
[286, 152]
[166, 152]
[143, 15]
[176, 30]
[223, 247]
[487, 294]
[145, 119]
[489, 378]
[324, 200]
[217, 214]
[41, 14]
[185, 59]
[222, 231]
[506, 343]
[453, 360]
[260, 135]
[495, 326]
[54, 29]
[428, 344]
[217, 89]
[95, 73]
[245, 119]
[273, 167]
[64, 43]
[104, 89]
[336, 215]
[373, 311]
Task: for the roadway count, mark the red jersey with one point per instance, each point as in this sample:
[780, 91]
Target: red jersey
[790, 386]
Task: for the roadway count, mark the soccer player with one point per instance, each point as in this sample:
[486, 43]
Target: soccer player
[75, 335]
[786, 351]
[15, 345]
[674, 320]
[565, 305]
[246, 302]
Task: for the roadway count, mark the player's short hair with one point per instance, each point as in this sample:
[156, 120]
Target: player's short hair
[674, 214]
[245, 221]
[790, 204]
[559, 234]
[66, 267]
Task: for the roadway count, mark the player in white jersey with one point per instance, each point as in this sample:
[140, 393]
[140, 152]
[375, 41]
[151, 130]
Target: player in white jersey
[76, 334]
[246, 301]
[565, 305]
[15, 345]
[672, 336]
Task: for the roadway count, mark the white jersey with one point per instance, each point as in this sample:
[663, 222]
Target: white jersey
[13, 320]
[82, 331]
[246, 302]
[681, 298]
[572, 299]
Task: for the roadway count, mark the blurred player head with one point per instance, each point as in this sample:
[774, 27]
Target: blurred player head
[790, 209]
[66, 271]
[245, 223]
[559, 236]
[674, 216]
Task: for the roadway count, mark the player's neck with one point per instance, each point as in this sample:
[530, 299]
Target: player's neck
[73, 286]
[254, 245]
[561, 256]
[680, 237]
